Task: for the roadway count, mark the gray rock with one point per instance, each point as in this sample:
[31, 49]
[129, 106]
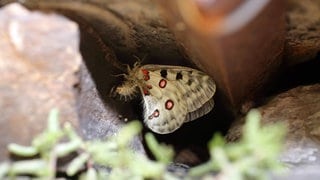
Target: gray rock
[299, 110]
[38, 59]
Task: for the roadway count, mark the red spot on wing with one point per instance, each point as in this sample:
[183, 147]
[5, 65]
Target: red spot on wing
[162, 83]
[145, 73]
[146, 77]
[146, 92]
[169, 104]
[155, 113]
[146, 88]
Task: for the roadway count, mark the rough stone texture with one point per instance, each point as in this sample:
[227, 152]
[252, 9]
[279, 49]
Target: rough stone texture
[303, 31]
[38, 60]
[129, 28]
[299, 109]
[122, 29]
[99, 118]
[308, 172]
[42, 70]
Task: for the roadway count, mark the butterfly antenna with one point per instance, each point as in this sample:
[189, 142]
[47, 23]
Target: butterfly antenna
[139, 60]
[118, 75]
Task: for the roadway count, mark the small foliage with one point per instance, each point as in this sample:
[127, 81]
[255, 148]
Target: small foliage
[252, 157]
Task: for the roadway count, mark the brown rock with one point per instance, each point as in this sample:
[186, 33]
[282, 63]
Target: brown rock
[121, 29]
[38, 60]
[241, 49]
[136, 28]
[129, 28]
[299, 109]
[303, 31]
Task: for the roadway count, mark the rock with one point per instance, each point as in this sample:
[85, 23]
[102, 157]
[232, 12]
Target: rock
[307, 172]
[113, 32]
[42, 75]
[129, 28]
[241, 54]
[38, 60]
[99, 114]
[299, 110]
[303, 31]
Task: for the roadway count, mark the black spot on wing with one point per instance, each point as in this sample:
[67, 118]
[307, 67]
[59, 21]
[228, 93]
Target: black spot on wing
[163, 73]
[178, 76]
[189, 82]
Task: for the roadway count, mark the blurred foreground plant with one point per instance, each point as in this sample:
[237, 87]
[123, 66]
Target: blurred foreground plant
[113, 152]
[252, 157]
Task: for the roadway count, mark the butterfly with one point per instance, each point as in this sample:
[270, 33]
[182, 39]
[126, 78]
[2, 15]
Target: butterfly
[172, 95]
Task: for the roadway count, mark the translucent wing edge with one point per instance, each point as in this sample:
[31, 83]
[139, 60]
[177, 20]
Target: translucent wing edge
[203, 110]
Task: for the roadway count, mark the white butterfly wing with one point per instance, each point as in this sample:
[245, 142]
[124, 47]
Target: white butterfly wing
[164, 112]
[196, 87]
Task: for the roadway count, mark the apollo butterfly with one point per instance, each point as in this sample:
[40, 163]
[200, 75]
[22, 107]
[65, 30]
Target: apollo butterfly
[171, 95]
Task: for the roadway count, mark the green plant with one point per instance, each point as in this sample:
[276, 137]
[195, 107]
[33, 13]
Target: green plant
[253, 157]
[113, 152]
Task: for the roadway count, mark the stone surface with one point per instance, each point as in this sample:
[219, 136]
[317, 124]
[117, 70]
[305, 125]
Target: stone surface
[299, 110]
[129, 28]
[99, 115]
[308, 172]
[303, 31]
[123, 29]
[39, 73]
[38, 60]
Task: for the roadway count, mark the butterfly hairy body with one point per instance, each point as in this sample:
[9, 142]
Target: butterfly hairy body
[171, 95]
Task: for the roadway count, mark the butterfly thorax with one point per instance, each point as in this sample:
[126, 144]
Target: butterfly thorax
[133, 80]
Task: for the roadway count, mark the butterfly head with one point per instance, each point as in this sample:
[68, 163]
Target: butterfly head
[132, 81]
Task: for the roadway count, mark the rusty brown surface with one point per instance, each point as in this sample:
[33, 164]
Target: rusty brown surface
[241, 61]
[38, 61]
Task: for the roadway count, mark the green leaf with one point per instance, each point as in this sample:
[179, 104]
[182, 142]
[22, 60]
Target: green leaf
[76, 164]
[64, 149]
[162, 153]
[36, 167]
[24, 151]
[90, 174]
[216, 141]
[4, 169]
[127, 133]
[146, 168]
[201, 169]
[53, 121]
